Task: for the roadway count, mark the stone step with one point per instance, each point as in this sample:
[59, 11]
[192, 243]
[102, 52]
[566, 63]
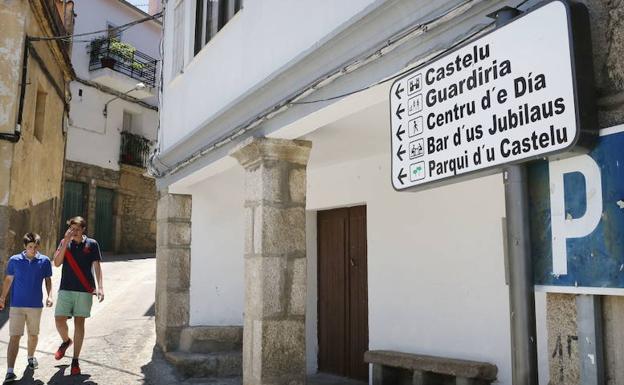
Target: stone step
[211, 339]
[213, 381]
[221, 364]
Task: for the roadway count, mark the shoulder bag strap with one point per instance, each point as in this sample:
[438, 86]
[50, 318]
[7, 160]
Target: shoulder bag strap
[76, 269]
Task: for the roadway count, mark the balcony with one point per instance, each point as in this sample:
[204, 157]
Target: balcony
[135, 150]
[110, 57]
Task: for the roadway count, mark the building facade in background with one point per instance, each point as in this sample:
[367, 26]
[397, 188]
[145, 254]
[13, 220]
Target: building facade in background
[278, 227]
[34, 107]
[113, 125]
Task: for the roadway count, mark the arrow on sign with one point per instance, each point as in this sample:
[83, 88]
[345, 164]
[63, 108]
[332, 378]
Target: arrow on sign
[399, 111]
[400, 132]
[401, 176]
[398, 91]
[400, 152]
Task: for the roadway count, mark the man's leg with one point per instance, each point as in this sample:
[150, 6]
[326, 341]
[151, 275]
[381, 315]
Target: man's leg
[33, 320]
[17, 321]
[79, 332]
[12, 351]
[32, 345]
[61, 327]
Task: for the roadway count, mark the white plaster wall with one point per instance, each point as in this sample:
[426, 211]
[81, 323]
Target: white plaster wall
[95, 139]
[255, 43]
[435, 258]
[217, 268]
[311, 320]
[93, 15]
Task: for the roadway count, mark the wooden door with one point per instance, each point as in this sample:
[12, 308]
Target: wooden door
[74, 197]
[104, 218]
[342, 292]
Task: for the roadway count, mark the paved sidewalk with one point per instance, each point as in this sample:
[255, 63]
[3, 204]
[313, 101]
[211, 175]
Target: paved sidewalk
[120, 335]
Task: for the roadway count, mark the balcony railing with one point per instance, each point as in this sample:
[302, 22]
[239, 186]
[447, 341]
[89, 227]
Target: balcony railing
[135, 150]
[120, 57]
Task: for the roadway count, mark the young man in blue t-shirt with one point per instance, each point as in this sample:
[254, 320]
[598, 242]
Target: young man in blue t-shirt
[80, 257]
[25, 273]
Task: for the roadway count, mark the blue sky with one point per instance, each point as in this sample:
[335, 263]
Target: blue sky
[142, 4]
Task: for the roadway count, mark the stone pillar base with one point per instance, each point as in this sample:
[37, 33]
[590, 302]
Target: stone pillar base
[173, 269]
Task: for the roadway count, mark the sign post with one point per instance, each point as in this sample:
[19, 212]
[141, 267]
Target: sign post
[519, 93]
[521, 293]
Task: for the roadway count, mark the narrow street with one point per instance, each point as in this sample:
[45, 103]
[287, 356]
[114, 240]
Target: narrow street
[120, 335]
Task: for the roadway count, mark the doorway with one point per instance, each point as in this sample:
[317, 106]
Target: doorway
[104, 218]
[74, 198]
[342, 292]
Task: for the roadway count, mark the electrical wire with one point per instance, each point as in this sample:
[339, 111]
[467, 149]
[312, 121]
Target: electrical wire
[292, 100]
[400, 74]
[114, 30]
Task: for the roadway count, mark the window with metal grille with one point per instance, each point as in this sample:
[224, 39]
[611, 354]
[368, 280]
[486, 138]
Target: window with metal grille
[210, 17]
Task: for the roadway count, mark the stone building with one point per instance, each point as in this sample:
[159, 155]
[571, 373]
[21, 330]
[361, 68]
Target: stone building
[283, 249]
[113, 125]
[34, 107]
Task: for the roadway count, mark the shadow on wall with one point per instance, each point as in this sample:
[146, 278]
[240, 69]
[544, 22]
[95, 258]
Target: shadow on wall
[43, 219]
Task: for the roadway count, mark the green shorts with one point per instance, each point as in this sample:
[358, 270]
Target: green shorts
[73, 304]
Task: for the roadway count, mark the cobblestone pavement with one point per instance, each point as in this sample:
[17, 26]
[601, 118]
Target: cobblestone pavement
[120, 337]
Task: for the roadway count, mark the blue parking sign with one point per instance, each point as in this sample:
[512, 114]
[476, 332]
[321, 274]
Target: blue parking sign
[577, 219]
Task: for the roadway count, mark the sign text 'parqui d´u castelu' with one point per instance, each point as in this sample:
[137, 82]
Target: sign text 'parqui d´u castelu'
[506, 97]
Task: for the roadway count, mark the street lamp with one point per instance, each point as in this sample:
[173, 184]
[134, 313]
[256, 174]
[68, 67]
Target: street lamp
[139, 86]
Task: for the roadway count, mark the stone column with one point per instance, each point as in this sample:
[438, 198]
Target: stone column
[275, 260]
[173, 268]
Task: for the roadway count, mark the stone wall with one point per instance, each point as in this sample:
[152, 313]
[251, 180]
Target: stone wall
[607, 29]
[173, 269]
[134, 211]
[31, 170]
[137, 211]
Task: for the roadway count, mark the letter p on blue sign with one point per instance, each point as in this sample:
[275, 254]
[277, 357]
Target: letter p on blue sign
[577, 219]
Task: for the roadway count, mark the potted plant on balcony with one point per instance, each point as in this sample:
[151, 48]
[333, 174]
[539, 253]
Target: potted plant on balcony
[100, 51]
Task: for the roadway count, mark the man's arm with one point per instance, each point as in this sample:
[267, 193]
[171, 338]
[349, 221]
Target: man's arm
[48, 284]
[98, 276]
[59, 254]
[6, 286]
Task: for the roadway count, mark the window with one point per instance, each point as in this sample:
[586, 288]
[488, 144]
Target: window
[127, 121]
[40, 107]
[210, 17]
[131, 122]
[112, 33]
[178, 38]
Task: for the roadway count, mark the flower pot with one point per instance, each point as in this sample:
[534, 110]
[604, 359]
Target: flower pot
[108, 62]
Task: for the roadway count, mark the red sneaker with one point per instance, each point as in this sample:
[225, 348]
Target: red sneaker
[75, 369]
[60, 353]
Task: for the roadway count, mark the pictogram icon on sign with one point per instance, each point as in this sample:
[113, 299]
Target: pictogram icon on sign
[416, 149]
[414, 84]
[415, 126]
[415, 104]
[417, 171]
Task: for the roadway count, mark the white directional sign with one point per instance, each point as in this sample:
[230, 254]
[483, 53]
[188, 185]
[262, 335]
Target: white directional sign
[506, 97]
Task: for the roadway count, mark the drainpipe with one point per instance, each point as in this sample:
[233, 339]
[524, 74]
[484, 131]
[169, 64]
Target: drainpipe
[15, 137]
